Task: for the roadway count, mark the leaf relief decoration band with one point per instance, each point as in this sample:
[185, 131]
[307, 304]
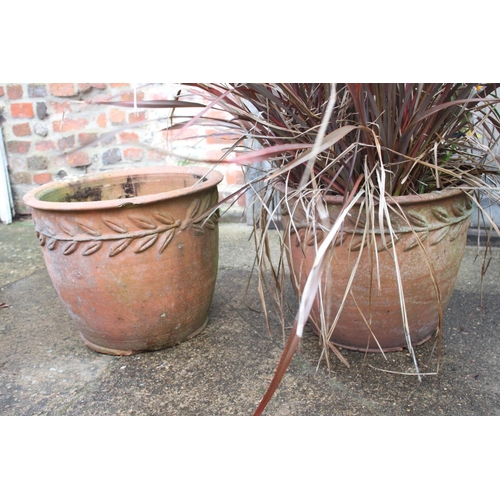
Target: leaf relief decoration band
[413, 228]
[137, 232]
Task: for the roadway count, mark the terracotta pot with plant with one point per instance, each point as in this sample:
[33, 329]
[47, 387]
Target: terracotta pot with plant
[377, 184]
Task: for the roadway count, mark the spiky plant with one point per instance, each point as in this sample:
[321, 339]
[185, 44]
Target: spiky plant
[425, 136]
[370, 140]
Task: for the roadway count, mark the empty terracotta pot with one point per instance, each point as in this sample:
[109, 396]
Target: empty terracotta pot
[132, 254]
[429, 244]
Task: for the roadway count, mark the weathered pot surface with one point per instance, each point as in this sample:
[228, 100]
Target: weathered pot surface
[130, 255]
[431, 235]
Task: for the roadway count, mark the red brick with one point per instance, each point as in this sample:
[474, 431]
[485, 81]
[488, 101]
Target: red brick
[102, 97]
[61, 107]
[160, 96]
[22, 110]
[116, 116]
[42, 178]
[86, 138]
[62, 89]
[115, 85]
[21, 129]
[133, 154]
[181, 134]
[82, 87]
[2, 92]
[69, 125]
[14, 91]
[129, 96]
[235, 176]
[20, 147]
[102, 121]
[217, 114]
[44, 145]
[137, 117]
[129, 136]
[78, 159]
[218, 137]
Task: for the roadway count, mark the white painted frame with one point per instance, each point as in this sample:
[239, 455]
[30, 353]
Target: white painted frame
[6, 200]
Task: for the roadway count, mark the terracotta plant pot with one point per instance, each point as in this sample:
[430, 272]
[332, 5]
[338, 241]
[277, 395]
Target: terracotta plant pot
[129, 255]
[431, 235]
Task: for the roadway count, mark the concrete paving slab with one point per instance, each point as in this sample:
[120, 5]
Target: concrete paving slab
[45, 369]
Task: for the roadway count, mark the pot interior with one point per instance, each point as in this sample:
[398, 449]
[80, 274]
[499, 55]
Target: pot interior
[118, 187]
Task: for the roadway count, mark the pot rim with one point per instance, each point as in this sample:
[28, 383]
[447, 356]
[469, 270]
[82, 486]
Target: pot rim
[401, 200]
[32, 198]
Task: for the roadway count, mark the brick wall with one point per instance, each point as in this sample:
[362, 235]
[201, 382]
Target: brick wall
[45, 123]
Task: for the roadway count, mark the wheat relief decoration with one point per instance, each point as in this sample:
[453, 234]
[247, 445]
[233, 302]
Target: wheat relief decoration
[138, 232]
